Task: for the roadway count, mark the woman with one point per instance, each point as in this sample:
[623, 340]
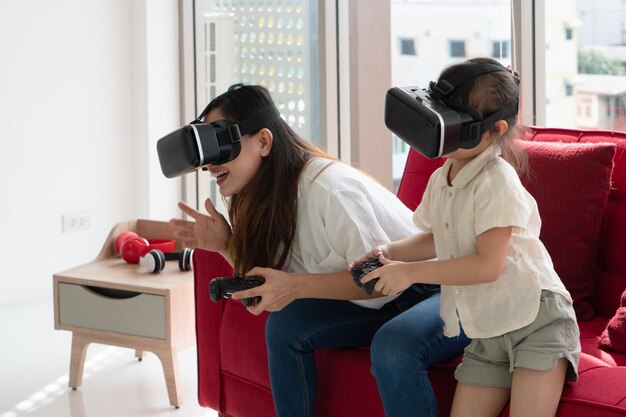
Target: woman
[298, 216]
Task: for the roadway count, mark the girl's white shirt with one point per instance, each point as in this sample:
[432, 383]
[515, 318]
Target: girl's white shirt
[487, 193]
[342, 214]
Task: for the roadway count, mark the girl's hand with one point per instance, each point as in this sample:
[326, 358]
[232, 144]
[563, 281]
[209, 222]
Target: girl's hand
[394, 277]
[277, 291]
[209, 231]
[378, 251]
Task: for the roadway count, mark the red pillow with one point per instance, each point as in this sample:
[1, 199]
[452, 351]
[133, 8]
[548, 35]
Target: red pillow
[571, 183]
[614, 336]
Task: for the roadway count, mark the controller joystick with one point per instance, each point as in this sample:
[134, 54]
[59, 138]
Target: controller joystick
[225, 287]
[364, 268]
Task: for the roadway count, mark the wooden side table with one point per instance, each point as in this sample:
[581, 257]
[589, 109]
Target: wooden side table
[111, 302]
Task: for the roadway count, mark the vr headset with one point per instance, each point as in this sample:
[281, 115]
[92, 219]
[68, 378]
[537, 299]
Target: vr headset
[434, 125]
[200, 144]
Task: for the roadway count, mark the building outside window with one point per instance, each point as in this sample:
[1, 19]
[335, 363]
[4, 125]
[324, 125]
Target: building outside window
[407, 46]
[273, 43]
[590, 59]
[501, 49]
[456, 49]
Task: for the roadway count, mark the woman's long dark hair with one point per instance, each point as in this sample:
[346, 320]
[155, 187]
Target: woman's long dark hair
[489, 93]
[264, 214]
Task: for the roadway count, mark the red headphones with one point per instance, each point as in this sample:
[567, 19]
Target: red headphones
[151, 254]
[131, 246]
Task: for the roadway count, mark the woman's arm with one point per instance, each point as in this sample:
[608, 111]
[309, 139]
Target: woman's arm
[483, 267]
[281, 288]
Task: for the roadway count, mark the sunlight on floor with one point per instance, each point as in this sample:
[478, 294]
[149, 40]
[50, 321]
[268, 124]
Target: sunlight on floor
[35, 366]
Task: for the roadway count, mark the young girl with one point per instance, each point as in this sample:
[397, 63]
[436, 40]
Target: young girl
[497, 279]
[297, 217]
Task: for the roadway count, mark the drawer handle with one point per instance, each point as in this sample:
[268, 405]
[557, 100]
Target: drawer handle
[113, 292]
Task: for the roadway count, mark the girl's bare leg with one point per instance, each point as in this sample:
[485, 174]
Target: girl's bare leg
[537, 393]
[474, 400]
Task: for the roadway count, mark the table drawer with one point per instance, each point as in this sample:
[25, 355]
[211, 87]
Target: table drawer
[138, 315]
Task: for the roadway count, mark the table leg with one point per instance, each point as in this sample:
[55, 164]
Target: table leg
[169, 360]
[139, 354]
[77, 359]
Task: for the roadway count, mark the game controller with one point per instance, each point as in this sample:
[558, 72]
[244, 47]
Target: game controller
[225, 287]
[364, 268]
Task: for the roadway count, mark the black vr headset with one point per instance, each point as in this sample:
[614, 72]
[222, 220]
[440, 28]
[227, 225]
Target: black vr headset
[199, 144]
[431, 123]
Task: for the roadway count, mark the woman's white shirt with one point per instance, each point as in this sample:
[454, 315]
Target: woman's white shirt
[486, 194]
[343, 213]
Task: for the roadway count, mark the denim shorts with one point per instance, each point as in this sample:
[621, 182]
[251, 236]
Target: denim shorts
[553, 335]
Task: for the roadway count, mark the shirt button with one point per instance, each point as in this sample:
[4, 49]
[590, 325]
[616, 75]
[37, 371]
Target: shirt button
[449, 193]
[458, 291]
[451, 256]
[446, 225]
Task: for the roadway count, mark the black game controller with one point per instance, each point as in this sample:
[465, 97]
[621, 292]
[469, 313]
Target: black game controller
[364, 268]
[225, 287]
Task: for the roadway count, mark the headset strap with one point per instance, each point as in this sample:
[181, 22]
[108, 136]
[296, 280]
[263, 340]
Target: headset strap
[253, 123]
[509, 111]
[443, 88]
[259, 120]
[473, 132]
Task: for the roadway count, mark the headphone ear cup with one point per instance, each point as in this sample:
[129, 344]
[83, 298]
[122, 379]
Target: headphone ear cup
[184, 259]
[159, 259]
[133, 248]
[153, 261]
[119, 241]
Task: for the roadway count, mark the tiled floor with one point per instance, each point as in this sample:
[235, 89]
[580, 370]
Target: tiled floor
[34, 365]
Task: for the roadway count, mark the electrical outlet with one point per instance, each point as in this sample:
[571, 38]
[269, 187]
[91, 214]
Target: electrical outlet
[76, 222]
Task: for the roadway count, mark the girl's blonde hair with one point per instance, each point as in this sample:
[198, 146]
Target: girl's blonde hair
[489, 93]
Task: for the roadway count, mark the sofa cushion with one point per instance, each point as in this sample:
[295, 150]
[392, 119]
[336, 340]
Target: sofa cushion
[589, 335]
[571, 183]
[613, 337]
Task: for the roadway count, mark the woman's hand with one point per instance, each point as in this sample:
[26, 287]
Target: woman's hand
[278, 290]
[209, 231]
[374, 253]
[393, 276]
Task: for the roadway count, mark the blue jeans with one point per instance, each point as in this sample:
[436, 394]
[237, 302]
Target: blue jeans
[406, 336]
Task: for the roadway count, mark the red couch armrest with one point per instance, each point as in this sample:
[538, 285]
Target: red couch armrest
[206, 266]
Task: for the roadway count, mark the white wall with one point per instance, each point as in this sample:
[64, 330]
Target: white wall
[86, 89]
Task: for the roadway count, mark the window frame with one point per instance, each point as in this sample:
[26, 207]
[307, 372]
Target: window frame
[528, 57]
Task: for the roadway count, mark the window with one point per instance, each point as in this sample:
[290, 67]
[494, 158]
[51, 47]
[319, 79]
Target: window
[589, 61]
[273, 43]
[407, 46]
[473, 28]
[456, 49]
[501, 49]
[268, 42]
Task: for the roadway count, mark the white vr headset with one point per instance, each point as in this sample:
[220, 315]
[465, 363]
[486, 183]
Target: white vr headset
[432, 124]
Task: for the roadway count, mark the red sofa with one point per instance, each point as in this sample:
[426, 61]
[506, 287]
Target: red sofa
[585, 234]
